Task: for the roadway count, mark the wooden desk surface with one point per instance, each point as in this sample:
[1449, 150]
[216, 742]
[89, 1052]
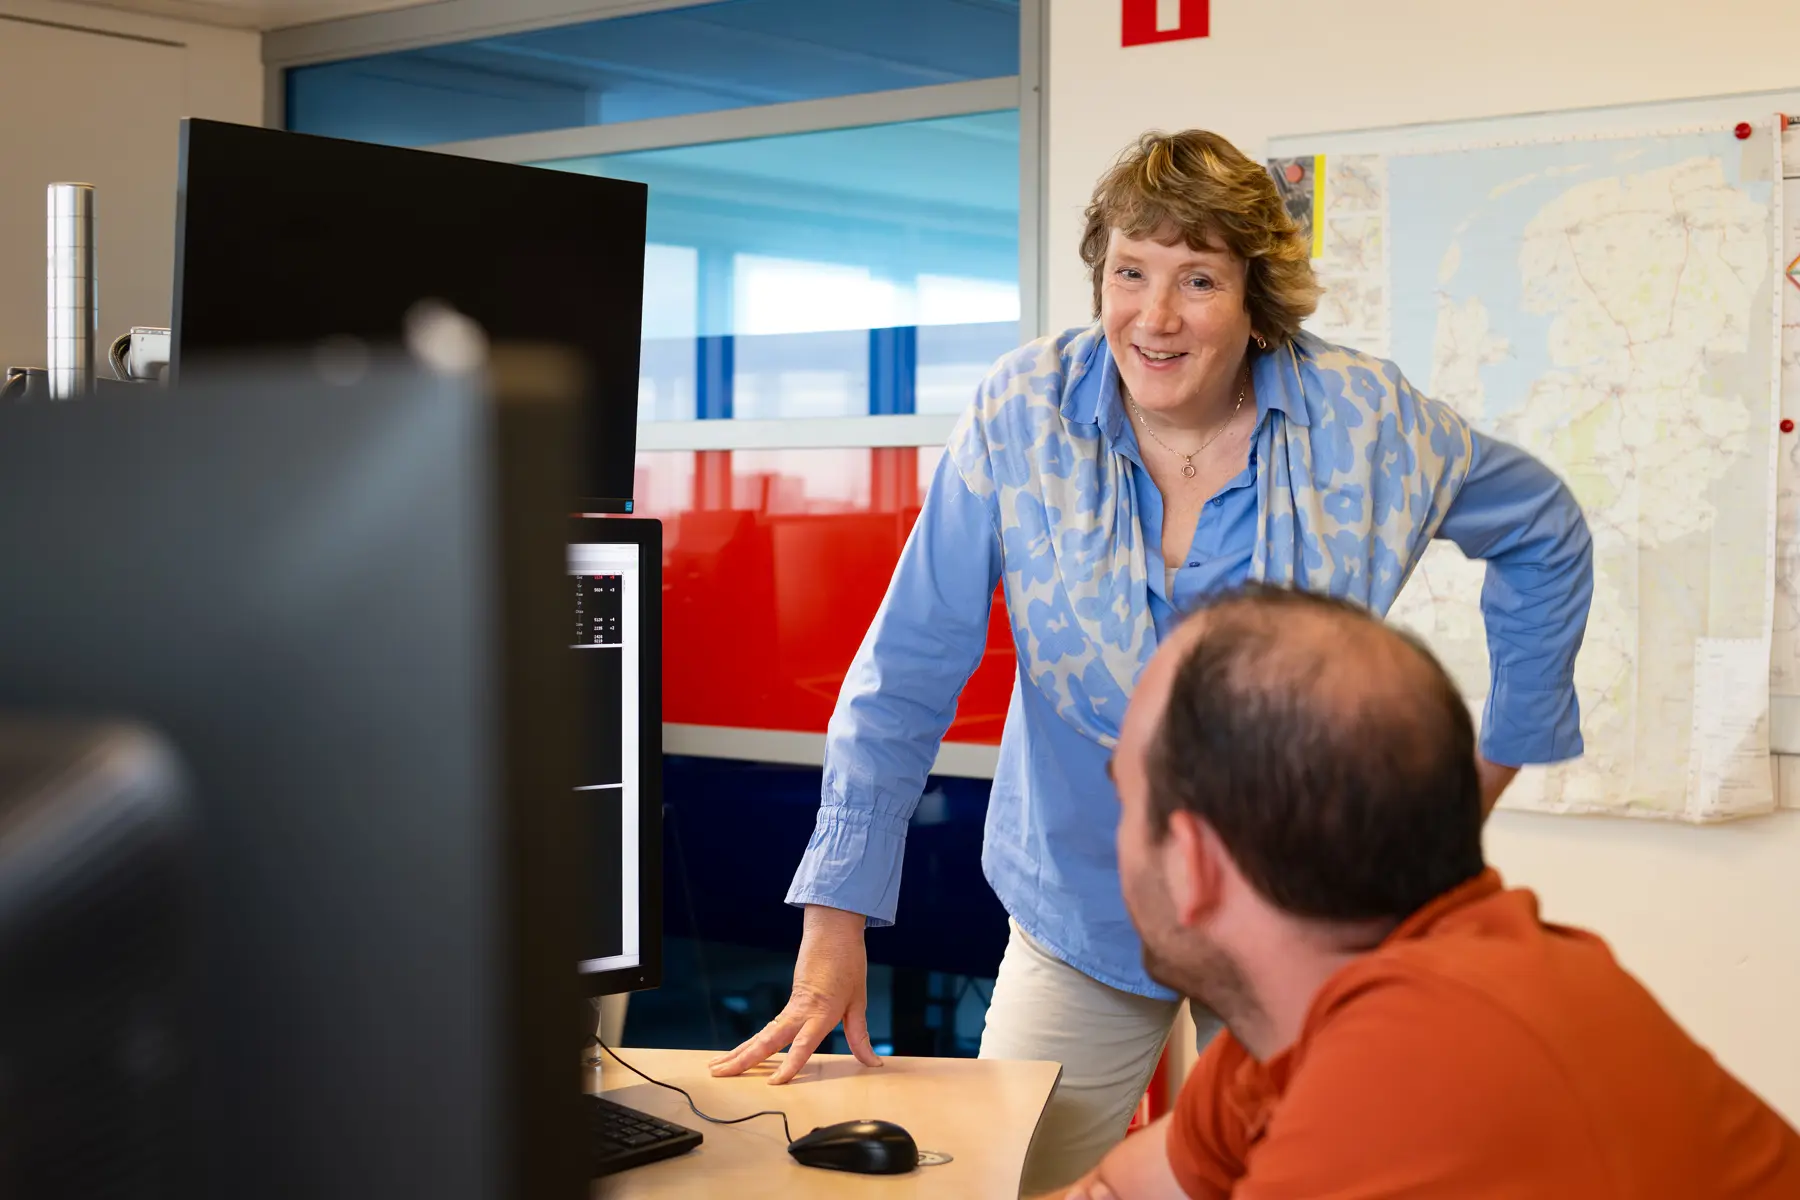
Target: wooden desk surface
[981, 1113]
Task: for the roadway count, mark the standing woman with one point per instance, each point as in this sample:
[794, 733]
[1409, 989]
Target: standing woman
[1112, 476]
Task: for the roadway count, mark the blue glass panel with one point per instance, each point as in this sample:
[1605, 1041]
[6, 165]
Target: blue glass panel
[954, 358]
[705, 58]
[799, 248]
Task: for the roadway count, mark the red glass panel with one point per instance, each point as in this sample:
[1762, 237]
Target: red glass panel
[774, 564]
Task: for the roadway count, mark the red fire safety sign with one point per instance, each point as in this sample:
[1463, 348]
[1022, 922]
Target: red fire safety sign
[1148, 21]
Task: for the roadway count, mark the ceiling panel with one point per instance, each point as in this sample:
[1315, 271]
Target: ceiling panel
[255, 14]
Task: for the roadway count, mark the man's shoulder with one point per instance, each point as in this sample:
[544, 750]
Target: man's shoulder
[1537, 1043]
[1491, 962]
[1401, 1083]
[1423, 1059]
[1412, 1002]
[1500, 1000]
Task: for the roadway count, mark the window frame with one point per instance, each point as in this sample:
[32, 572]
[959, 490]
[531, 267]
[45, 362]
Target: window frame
[462, 20]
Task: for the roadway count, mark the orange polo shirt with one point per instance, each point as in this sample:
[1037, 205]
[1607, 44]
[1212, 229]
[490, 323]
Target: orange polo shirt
[1479, 1052]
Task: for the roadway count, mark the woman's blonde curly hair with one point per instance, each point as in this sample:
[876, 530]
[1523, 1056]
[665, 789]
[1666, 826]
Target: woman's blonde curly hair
[1198, 187]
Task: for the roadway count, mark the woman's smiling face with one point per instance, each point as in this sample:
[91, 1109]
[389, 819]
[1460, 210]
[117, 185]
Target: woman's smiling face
[1174, 318]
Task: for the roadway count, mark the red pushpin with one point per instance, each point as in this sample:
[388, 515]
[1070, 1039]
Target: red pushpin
[1743, 131]
[1295, 172]
[1787, 425]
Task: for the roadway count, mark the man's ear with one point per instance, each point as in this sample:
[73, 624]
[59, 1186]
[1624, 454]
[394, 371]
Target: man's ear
[1192, 866]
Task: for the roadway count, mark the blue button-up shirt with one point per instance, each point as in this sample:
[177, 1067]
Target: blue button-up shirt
[1048, 850]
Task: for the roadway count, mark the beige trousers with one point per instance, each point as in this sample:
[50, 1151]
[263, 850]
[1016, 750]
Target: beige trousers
[1107, 1041]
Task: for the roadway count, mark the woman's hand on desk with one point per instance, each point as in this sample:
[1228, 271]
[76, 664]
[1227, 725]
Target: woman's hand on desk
[831, 984]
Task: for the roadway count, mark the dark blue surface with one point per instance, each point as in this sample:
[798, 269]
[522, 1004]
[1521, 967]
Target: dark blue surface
[713, 378]
[893, 371]
[734, 831]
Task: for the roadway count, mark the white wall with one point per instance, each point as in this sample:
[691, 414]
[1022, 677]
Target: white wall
[1708, 918]
[95, 96]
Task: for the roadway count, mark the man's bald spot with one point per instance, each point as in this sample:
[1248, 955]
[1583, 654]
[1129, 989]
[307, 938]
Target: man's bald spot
[1351, 669]
[1346, 654]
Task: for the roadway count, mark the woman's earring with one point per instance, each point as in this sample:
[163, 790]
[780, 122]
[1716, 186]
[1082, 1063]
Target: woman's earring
[1261, 342]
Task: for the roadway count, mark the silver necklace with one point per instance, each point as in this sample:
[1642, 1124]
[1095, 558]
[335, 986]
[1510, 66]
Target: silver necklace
[1188, 470]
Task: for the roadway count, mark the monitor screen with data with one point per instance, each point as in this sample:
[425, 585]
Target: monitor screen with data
[616, 596]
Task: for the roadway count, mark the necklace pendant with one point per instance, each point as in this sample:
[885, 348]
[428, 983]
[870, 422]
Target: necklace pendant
[1187, 470]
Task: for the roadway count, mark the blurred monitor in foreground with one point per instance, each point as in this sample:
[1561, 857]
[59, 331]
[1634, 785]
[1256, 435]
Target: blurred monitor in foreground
[337, 590]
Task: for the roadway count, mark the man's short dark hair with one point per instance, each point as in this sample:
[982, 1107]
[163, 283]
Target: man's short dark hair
[1330, 753]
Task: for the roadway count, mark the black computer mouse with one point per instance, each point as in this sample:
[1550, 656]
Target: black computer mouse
[862, 1147]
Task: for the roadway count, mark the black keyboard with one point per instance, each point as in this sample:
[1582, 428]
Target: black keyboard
[620, 1138]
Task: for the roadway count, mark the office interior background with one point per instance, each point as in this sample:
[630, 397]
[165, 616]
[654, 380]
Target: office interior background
[856, 205]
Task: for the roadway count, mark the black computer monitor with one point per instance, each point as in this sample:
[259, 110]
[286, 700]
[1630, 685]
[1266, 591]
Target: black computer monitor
[284, 239]
[97, 922]
[615, 566]
[344, 604]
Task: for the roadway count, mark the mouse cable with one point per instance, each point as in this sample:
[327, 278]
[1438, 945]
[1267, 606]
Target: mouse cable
[715, 1120]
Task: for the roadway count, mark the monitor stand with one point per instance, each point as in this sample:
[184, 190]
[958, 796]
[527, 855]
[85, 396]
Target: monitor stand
[596, 1062]
[600, 1067]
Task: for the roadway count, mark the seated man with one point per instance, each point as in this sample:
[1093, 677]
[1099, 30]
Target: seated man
[1300, 847]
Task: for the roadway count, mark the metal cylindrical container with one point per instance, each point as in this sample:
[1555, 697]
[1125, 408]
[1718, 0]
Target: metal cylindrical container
[74, 325]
